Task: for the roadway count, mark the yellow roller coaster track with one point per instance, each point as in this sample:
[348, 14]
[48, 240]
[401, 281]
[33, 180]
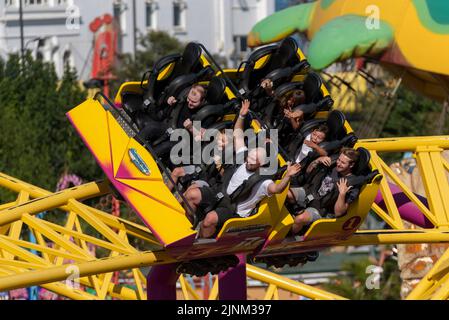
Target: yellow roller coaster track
[61, 251]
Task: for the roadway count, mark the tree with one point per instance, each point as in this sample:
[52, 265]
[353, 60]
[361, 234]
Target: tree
[353, 285]
[38, 143]
[153, 46]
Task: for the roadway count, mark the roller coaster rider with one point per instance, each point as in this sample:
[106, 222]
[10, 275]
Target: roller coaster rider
[329, 189]
[178, 114]
[242, 189]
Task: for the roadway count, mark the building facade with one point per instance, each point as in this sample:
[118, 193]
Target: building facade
[58, 30]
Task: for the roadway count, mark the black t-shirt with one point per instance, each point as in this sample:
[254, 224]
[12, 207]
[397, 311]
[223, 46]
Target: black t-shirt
[330, 181]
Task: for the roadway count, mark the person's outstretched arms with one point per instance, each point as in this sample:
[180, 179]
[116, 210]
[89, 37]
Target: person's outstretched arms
[239, 141]
[274, 188]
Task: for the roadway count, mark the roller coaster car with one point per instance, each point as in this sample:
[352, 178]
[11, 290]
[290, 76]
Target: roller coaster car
[170, 76]
[337, 136]
[317, 98]
[278, 62]
[113, 138]
[281, 249]
[136, 175]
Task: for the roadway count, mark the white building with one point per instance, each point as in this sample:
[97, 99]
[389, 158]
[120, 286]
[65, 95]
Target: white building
[58, 30]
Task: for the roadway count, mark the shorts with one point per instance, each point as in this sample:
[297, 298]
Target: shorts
[314, 213]
[300, 195]
[224, 214]
[208, 200]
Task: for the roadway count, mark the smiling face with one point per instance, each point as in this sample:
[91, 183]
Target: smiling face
[195, 97]
[344, 164]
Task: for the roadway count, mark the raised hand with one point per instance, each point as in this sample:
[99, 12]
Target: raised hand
[325, 160]
[245, 107]
[293, 169]
[343, 187]
[188, 124]
[171, 101]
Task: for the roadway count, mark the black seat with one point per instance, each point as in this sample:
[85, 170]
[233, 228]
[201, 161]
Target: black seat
[362, 165]
[217, 102]
[361, 171]
[187, 63]
[283, 57]
[190, 60]
[216, 90]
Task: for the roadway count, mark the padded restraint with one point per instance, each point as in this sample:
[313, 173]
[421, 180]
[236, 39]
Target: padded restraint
[216, 90]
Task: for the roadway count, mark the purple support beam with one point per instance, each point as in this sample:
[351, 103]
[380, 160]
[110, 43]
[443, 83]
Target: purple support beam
[407, 209]
[232, 283]
[161, 282]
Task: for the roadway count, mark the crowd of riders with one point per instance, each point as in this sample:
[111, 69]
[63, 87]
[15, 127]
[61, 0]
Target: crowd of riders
[319, 177]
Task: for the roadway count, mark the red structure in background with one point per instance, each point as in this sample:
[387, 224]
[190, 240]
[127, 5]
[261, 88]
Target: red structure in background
[105, 49]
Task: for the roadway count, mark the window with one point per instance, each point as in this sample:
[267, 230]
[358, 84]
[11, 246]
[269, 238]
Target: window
[240, 44]
[35, 2]
[179, 13]
[119, 14]
[10, 3]
[150, 14]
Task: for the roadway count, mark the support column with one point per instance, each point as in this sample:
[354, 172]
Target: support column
[161, 282]
[232, 283]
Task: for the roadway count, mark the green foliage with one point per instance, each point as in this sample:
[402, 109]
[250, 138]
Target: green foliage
[352, 285]
[38, 143]
[413, 115]
[407, 114]
[153, 46]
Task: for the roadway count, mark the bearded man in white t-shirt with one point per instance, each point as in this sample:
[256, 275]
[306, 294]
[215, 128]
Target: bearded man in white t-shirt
[213, 220]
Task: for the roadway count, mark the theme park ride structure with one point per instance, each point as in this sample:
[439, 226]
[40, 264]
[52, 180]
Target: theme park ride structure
[61, 251]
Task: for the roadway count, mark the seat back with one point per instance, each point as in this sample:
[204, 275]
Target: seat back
[190, 60]
[361, 168]
[336, 124]
[285, 55]
[216, 90]
[312, 87]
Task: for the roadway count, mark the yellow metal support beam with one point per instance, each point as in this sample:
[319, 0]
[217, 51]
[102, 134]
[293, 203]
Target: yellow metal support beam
[289, 285]
[55, 200]
[403, 144]
[432, 175]
[53, 274]
[377, 237]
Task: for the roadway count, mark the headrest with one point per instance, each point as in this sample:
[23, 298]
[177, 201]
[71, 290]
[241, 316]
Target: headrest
[191, 55]
[160, 64]
[336, 122]
[216, 90]
[286, 52]
[362, 165]
[286, 87]
[261, 52]
[309, 125]
[312, 87]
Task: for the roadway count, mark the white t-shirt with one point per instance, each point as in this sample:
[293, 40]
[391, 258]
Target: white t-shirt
[258, 192]
[305, 149]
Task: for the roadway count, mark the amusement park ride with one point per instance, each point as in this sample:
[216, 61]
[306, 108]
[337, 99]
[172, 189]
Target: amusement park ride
[110, 130]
